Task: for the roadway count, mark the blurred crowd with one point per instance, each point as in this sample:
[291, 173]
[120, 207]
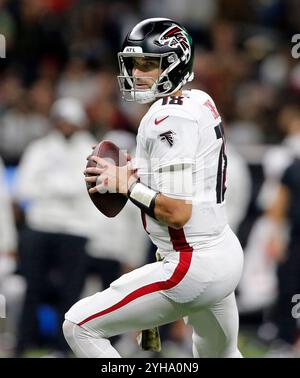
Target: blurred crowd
[59, 95]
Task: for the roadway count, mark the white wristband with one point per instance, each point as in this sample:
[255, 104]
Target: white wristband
[142, 194]
[143, 197]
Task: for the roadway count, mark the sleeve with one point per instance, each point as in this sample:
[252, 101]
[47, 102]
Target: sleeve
[172, 146]
[172, 139]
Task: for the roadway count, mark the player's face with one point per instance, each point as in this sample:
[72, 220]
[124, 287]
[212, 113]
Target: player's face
[146, 71]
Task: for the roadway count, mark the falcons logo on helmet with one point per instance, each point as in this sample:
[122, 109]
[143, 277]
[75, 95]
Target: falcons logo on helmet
[174, 37]
[167, 136]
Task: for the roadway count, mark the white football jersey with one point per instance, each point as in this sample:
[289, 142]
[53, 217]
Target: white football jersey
[181, 153]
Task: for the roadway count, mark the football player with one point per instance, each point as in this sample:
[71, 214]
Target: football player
[177, 179]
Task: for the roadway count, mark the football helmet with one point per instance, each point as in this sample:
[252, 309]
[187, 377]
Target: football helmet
[168, 42]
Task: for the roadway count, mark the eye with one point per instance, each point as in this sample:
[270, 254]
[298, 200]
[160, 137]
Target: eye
[152, 64]
[146, 65]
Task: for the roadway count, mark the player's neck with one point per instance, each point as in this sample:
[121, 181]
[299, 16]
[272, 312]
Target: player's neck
[178, 93]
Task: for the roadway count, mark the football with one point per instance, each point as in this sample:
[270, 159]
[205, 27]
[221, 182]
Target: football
[109, 204]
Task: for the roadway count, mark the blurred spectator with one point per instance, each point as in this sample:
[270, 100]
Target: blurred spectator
[10, 90]
[11, 286]
[20, 125]
[7, 26]
[60, 6]
[76, 81]
[111, 248]
[274, 69]
[239, 187]
[286, 208]
[58, 220]
[105, 116]
[8, 233]
[197, 14]
[279, 157]
[134, 113]
[252, 102]
[39, 34]
[41, 97]
[94, 28]
[258, 286]
[284, 250]
[220, 69]
[235, 10]
[292, 11]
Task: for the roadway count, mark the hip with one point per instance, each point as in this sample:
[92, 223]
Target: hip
[216, 267]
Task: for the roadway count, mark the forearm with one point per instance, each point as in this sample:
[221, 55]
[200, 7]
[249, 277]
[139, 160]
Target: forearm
[173, 212]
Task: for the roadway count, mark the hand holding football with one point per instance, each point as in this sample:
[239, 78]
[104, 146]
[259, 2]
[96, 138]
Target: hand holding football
[110, 204]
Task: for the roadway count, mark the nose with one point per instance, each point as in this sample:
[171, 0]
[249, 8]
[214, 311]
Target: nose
[136, 72]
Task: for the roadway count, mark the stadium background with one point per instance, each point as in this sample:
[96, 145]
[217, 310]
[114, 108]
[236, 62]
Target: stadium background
[59, 48]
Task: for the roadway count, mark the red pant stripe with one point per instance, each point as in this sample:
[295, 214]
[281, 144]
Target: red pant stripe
[180, 244]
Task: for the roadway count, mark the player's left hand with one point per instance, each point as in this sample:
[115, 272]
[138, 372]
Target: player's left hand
[108, 177]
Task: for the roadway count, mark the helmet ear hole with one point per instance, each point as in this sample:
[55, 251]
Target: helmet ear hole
[168, 60]
[164, 85]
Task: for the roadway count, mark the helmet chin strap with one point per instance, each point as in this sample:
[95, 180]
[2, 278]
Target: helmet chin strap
[150, 95]
[144, 97]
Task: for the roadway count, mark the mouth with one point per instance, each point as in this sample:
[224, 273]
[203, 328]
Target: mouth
[141, 86]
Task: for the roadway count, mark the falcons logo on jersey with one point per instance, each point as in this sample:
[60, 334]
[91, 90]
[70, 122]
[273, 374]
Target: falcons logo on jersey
[174, 37]
[167, 136]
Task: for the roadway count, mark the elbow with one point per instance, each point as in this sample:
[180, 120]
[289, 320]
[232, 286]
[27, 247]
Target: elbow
[179, 220]
[174, 213]
[177, 225]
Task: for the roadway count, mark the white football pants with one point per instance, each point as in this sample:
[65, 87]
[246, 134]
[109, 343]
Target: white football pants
[197, 285]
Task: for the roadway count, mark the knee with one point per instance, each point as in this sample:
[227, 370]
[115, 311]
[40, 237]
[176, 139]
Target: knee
[75, 337]
[74, 332]
[69, 330]
[210, 348]
[202, 347]
[230, 350]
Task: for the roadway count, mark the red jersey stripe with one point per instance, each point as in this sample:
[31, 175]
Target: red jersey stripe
[185, 257]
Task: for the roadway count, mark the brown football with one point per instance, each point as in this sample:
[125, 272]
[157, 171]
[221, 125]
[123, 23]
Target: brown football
[110, 204]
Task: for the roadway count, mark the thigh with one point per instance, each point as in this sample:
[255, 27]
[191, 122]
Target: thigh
[133, 302]
[215, 329]
[213, 272]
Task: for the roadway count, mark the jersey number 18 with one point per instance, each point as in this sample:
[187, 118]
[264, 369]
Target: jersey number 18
[222, 165]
